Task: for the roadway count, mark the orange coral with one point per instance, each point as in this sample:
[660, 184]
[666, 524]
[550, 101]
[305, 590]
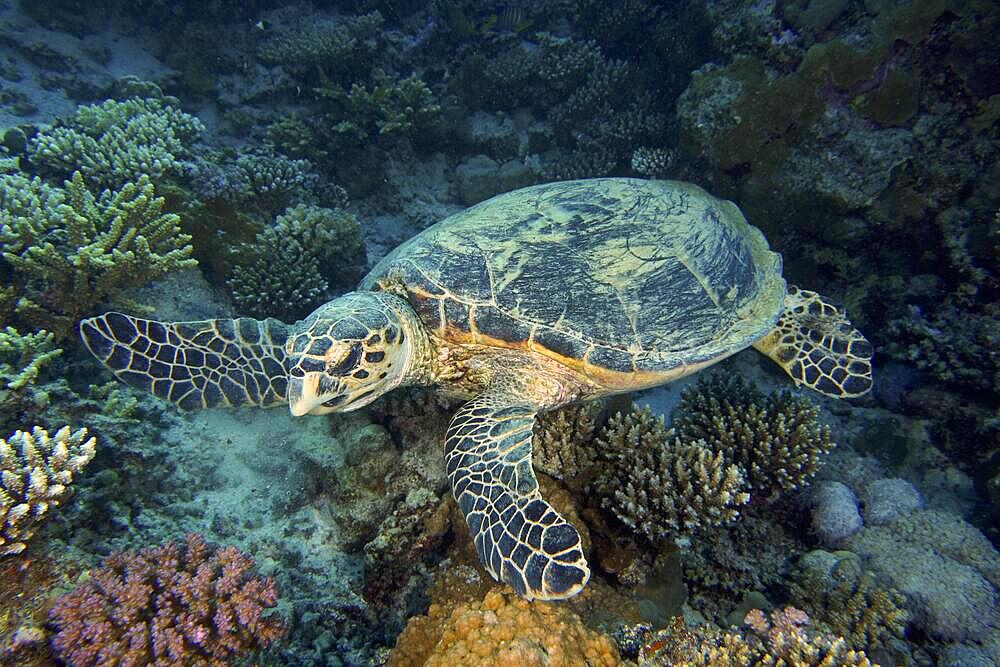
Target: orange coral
[502, 631]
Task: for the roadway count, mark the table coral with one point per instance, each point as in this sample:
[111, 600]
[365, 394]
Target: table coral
[502, 630]
[190, 604]
[36, 470]
[99, 247]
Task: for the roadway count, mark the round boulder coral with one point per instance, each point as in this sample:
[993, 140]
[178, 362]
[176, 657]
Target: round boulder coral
[885, 500]
[502, 631]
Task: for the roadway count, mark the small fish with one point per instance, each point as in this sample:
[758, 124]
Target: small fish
[512, 19]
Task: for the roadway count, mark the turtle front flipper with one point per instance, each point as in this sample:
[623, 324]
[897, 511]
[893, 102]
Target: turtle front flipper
[521, 540]
[194, 364]
[818, 347]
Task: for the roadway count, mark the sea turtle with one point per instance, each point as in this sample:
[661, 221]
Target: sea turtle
[528, 301]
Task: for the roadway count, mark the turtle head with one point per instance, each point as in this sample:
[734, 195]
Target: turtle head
[347, 353]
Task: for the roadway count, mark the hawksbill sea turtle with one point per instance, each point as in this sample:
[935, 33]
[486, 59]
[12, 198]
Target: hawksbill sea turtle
[526, 302]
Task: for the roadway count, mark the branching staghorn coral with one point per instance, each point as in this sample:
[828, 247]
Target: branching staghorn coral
[115, 142]
[22, 358]
[190, 604]
[659, 485]
[35, 471]
[777, 440]
[100, 246]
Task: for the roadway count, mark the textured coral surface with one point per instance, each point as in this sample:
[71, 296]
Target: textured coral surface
[502, 631]
[190, 604]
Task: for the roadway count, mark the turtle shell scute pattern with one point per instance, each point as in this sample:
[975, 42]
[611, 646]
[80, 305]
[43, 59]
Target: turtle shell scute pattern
[624, 274]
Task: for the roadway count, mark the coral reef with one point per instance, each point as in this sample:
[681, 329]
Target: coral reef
[778, 639]
[502, 630]
[36, 470]
[835, 589]
[728, 441]
[885, 500]
[22, 357]
[100, 246]
[294, 262]
[389, 106]
[330, 43]
[561, 446]
[835, 514]
[723, 568]
[948, 571]
[114, 142]
[777, 440]
[174, 604]
[661, 486]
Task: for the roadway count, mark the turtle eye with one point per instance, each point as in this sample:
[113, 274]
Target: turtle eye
[345, 362]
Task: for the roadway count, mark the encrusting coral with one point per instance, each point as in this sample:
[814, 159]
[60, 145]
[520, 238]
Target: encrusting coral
[171, 605]
[36, 470]
[98, 247]
[776, 439]
[501, 631]
[658, 485]
[115, 142]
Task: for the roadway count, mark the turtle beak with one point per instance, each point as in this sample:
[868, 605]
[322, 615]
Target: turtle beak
[298, 403]
[313, 394]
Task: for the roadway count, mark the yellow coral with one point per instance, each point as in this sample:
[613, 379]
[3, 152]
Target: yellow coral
[35, 471]
[502, 631]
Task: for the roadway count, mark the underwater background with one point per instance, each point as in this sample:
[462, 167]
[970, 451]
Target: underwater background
[189, 160]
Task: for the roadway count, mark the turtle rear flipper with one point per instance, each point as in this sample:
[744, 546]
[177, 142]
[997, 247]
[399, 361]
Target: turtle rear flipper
[521, 540]
[194, 364]
[818, 347]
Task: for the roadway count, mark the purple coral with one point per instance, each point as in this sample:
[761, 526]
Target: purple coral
[172, 604]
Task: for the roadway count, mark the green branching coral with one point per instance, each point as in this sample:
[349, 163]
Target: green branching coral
[327, 44]
[115, 142]
[661, 486]
[22, 358]
[91, 248]
[387, 106]
[777, 440]
[294, 261]
[35, 471]
[331, 235]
